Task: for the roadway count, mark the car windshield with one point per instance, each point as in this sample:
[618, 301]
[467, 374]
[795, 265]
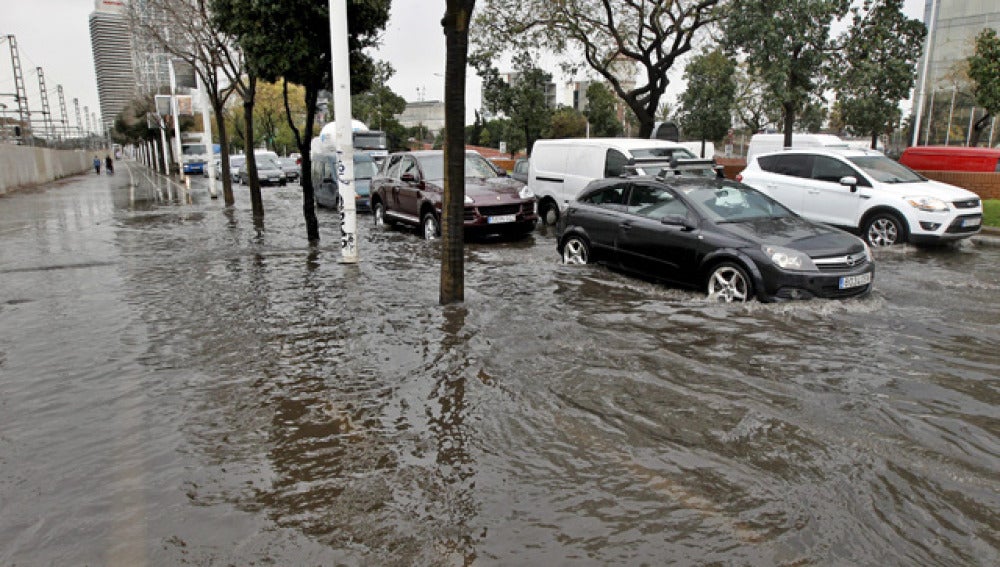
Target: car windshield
[237, 161]
[475, 166]
[267, 162]
[681, 153]
[733, 203]
[886, 170]
[364, 169]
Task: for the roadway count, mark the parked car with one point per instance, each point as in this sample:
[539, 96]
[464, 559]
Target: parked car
[951, 158]
[235, 163]
[721, 236]
[269, 171]
[864, 191]
[409, 189]
[520, 172]
[216, 166]
[768, 143]
[290, 167]
[326, 190]
[560, 169]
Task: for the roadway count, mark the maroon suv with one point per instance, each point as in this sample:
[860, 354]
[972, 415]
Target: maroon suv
[409, 187]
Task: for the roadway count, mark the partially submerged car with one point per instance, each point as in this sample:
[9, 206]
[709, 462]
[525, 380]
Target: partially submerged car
[723, 237]
[409, 190]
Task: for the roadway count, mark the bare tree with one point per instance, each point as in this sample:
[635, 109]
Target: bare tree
[185, 30]
[617, 39]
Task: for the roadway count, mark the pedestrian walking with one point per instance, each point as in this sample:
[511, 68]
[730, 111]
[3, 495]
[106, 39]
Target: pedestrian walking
[97, 165]
[109, 165]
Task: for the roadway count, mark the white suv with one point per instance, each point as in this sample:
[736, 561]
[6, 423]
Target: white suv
[865, 191]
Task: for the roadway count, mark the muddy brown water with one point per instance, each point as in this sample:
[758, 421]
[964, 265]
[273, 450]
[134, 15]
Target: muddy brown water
[179, 387]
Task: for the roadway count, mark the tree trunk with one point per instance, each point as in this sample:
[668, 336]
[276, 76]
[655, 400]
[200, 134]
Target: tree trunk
[257, 204]
[977, 129]
[305, 148]
[874, 140]
[457, 18]
[789, 125]
[227, 179]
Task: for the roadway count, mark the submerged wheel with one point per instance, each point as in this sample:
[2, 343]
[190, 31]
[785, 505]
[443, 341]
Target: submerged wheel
[430, 225]
[729, 283]
[549, 212]
[379, 213]
[884, 229]
[576, 250]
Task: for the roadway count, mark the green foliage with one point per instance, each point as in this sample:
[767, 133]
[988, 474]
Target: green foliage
[991, 212]
[787, 44]
[522, 99]
[706, 105]
[601, 112]
[567, 123]
[615, 39]
[877, 66]
[984, 70]
[378, 106]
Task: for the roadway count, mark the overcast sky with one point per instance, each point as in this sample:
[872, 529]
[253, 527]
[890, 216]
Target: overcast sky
[54, 35]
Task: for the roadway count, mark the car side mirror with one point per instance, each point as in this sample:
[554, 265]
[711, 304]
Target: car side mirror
[678, 220]
[850, 181]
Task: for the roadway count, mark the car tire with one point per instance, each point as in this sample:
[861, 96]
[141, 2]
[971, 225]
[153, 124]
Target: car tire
[729, 283]
[430, 229]
[884, 229]
[549, 213]
[576, 250]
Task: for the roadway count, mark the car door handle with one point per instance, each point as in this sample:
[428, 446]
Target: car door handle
[626, 226]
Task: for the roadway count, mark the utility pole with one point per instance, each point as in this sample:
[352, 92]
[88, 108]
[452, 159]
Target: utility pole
[62, 111]
[46, 113]
[79, 125]
[177, 121]
[20, 93]
[343, 134]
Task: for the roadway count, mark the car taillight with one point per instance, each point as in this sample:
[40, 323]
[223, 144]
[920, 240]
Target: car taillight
[739, 178]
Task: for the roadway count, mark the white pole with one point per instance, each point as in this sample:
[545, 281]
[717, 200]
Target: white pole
[968, 136]
[930, 111]
[164, 148]
[177, 122]
[921, 94]
[951, 114]
[206, 124]
[345, 143]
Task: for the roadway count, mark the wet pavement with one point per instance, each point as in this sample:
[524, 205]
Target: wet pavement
[178, 386]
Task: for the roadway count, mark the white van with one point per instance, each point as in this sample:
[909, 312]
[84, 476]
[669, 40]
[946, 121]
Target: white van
[560, 169]
[766, 143]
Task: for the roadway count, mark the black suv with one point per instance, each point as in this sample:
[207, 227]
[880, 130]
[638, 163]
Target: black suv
[690, 227]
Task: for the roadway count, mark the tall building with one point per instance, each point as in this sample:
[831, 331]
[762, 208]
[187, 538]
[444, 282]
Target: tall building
[111, 42]
[943, 89]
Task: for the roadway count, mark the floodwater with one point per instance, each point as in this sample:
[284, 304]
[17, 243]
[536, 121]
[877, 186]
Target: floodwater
[179, 387]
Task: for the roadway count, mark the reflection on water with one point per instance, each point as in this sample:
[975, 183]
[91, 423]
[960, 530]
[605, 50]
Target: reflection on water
[182, 386]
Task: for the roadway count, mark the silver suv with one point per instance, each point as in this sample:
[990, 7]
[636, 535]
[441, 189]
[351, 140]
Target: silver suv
[864, 191]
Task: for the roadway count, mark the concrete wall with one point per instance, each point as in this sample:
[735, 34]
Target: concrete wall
[23, 167]
[986, 185]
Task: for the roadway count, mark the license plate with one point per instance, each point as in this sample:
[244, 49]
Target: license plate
[972, 222]
[501, 219]
[848, 282]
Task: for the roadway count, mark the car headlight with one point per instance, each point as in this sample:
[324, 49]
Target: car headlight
[468, 200]
[868, 250]
[525, 193]
[788, 259]
[928, 204]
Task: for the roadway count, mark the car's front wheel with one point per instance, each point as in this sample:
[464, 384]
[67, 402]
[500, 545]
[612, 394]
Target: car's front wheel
[729, 283]
[576, 250]
[884, 229]
[430, 225]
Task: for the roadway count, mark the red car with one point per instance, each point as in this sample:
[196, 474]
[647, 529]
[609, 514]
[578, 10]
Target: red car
[409, 187]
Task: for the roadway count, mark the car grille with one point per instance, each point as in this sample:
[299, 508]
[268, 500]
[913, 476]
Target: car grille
[496, 210]
[967, 204]
[956, 225]
[841, 263]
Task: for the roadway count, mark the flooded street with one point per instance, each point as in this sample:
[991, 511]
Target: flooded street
[177, 387]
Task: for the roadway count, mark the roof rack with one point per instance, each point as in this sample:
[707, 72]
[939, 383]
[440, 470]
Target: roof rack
[671, 165]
